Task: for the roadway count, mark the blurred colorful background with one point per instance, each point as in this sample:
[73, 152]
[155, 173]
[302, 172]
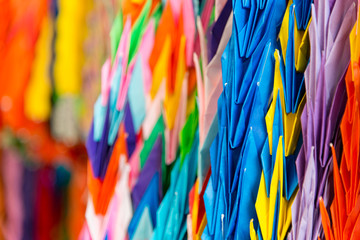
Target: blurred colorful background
[51, 52]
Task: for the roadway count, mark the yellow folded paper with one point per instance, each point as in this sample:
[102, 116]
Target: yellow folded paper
[69, 48]
[355, 45]
[265, 206]
[253, 235]
[201, 228]
[37, 103]
[301, 40]
[291, 121]
[161, 68]
[195, 209]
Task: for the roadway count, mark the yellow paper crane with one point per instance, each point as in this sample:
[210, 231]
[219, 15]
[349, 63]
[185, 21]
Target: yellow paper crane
[272, 207]
[266, 206]
[291, 121]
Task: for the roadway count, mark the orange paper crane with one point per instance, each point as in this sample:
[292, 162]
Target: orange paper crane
[345, 208]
